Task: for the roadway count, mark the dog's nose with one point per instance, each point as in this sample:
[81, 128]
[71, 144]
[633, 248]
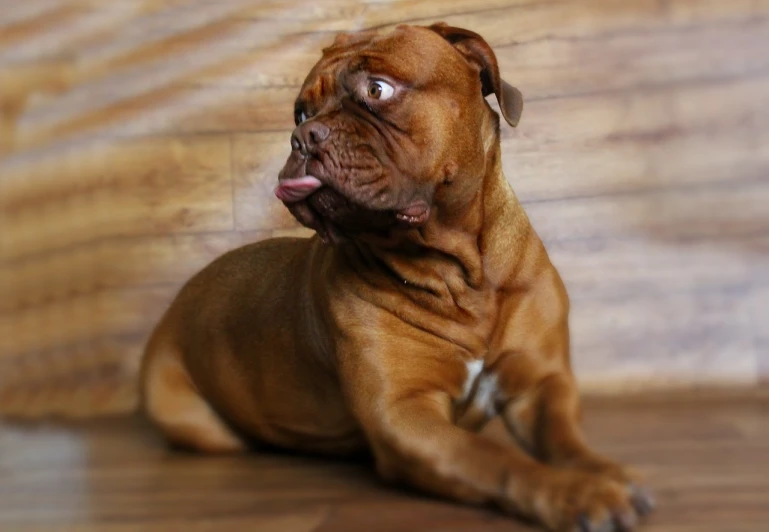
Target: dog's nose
[308, 136]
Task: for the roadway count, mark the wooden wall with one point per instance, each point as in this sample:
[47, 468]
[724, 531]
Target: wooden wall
[140, 139]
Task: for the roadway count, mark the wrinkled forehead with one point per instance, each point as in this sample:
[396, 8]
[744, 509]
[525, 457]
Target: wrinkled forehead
[414, 56]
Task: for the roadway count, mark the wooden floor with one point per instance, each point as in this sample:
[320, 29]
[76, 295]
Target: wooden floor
[708, 462]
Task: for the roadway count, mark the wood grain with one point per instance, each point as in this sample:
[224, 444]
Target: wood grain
[141, 139]
[705, 460]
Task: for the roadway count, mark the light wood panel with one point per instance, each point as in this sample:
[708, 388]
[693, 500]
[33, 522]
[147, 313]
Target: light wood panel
[141, 139]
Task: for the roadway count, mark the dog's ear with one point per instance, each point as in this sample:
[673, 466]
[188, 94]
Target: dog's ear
[478, 52]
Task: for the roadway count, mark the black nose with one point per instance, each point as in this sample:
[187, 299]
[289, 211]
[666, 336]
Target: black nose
[308, 136]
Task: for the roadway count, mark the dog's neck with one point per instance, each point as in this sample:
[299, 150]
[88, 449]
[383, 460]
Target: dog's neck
[465, 248]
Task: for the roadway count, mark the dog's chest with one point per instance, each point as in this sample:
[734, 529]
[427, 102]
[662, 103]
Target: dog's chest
[480, 393]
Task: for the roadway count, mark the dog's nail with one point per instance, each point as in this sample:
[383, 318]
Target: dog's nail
[626, 521]
[642, 500]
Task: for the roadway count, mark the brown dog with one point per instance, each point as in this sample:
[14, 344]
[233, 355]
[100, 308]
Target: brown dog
[426, 305]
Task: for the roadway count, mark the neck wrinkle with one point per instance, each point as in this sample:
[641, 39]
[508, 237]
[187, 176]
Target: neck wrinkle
[460, 251]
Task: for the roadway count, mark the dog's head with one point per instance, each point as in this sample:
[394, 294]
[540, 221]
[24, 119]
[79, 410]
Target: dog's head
[390, 128]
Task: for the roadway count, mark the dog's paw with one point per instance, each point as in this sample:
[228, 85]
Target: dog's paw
[579, 501]
[598, 465]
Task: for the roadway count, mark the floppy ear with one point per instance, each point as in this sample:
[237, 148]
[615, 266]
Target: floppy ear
[478, 52]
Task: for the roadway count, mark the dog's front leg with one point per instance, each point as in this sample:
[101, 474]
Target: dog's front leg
[546, 421]
[414, 440]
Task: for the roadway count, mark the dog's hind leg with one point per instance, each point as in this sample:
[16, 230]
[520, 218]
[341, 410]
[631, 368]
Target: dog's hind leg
[175, 406]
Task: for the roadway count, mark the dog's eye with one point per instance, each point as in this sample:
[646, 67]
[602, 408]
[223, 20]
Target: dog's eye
[299, 117]
[379, 90]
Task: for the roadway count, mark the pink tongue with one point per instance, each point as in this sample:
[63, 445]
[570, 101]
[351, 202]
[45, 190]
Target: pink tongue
[298, 188]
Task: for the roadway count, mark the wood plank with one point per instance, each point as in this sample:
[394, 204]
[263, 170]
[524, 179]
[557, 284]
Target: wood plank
[35, 21]
[105, 83]
[758, 303]
[96, 376]
[19, 13]
[601, 268]
[59, 32]
[80, 317]
[23, 84]
[642, 140]
[659, 340]
[558, 65]
[718, 211]
[136, 187]
[524, 21]
[113, 263]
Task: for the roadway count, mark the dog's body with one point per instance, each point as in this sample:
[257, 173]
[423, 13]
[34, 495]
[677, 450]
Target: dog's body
[436, 308]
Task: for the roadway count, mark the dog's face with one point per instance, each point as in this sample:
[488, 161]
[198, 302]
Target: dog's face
[389, 128]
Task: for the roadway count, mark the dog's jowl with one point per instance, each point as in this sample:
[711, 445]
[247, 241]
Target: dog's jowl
[424, 306]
